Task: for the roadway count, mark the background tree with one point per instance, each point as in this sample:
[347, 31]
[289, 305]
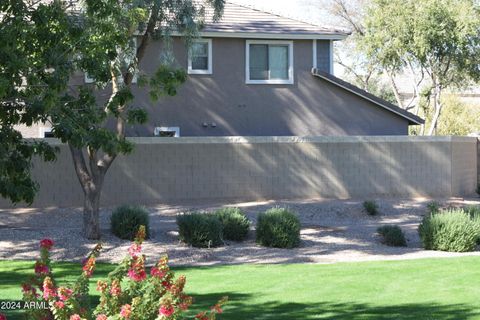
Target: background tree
[440, 38]
[95, 37]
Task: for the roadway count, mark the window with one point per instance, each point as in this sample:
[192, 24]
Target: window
[269, 62]
[46, 132]
[167, 132]
[125, 58]
[200, 57]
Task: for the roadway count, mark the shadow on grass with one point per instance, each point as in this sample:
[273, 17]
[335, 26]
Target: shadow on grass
[238, 308]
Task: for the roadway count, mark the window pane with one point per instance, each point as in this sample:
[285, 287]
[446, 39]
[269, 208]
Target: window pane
[199, 63]
[200, 49]
[258, 62]
[278, 57]
[200, 56]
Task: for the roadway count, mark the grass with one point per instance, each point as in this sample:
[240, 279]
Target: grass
[411, 289]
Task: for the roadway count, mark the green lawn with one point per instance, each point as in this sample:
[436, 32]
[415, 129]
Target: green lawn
[415, 289]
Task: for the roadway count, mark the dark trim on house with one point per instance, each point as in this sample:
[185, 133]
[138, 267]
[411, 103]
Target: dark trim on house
[413, 119]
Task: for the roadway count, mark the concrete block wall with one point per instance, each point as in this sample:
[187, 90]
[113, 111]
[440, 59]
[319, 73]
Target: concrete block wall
[175, 170]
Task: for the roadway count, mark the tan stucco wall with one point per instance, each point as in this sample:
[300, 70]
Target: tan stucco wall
[235, 168]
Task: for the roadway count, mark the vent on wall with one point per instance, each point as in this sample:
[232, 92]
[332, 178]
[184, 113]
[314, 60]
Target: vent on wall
[167, 132]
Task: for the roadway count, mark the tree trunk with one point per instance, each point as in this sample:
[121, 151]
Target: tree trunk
[438, 110]
[91, 216]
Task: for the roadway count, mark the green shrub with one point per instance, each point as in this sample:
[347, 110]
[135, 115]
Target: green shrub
[235, 223]
[433, 207]
[126, 220]
[392, 236]
[202, 230]
[370, 207]
[450, 230]
[279, 228]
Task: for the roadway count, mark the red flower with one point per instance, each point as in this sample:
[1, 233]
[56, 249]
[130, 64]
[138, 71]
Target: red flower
[217, 309]
[75, 317]
[101, 317]
[155, 272]
[59, 304]
[46, 243]
[40, 268]
[166, 311]
[126, 311]
[201, 316]
[3, 317]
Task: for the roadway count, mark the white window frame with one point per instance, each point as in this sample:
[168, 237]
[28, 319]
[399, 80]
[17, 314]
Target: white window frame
[210, 59]
[157, 130]
[88, 79]
[290, 79]
[43, 130]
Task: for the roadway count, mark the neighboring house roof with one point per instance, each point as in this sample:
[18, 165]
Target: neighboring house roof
[247, 22]
[413, 119]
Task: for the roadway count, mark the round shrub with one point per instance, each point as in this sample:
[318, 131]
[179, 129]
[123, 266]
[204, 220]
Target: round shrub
[371, 207]
[452, 230]
[126, 220]
[235, 223]
[392, 236]
[278, 228]
[202, 230]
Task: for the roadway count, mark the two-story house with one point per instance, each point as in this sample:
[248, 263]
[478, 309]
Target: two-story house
[255, 73]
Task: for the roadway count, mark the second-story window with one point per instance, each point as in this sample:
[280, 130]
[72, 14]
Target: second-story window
[200, 57]
[269, 62]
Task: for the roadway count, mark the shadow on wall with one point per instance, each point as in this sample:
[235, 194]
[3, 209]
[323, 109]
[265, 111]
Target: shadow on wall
[170, 170]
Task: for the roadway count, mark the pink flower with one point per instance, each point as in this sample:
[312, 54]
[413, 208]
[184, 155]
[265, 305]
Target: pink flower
[48, 289]
[116, 289]
[166, 311]
[75, 317]
[59, 304]
[137, 276]
[126, 311]
[155, 272]
[101, 317]
[46, 243]
[3, 317]
[40, 268]
[135, 249]
[64, 293]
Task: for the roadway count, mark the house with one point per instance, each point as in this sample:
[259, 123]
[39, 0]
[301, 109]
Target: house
[255, 73]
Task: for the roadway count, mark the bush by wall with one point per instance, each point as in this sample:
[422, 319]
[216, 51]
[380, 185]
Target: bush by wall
[202, 230]
[370, 207]
[278, 227]
[392, 236]
[450, 230]
[126, 220]
[235, 223]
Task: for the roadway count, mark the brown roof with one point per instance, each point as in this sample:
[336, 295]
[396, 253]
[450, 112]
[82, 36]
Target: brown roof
[238, 18]
[413, 119]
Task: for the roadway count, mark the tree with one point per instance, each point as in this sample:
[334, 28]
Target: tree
[440, 38]
[96, 37]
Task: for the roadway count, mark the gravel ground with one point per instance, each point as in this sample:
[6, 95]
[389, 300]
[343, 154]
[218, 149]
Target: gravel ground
[332, 231]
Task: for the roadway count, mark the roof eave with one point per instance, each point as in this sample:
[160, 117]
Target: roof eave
[274, 35]
[412, 119]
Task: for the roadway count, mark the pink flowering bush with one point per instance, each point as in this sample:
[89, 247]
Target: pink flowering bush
[129, 292]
